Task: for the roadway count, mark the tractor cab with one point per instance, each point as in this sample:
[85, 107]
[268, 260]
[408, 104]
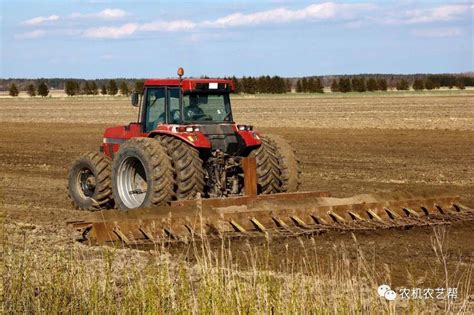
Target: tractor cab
[184, 102]
[195, 111]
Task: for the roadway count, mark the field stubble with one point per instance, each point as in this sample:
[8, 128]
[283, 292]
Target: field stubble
[347, 145]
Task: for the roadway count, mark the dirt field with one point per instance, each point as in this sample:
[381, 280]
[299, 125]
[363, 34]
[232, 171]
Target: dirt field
[347, 146]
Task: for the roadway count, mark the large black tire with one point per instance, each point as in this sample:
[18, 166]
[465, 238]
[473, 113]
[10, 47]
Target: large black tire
[187, 166]
[89, 183]
[142, 174]
[289, 165]
[268, 172]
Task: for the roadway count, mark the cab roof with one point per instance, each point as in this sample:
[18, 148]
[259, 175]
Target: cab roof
[193, 84]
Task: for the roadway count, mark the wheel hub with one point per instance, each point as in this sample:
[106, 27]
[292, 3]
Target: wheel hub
[132, 182]
[87, 182]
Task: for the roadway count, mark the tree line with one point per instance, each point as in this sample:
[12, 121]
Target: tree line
[72, 87]
[250, 85]
[42, 89]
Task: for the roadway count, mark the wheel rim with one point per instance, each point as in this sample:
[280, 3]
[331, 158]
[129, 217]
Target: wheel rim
[86, 182]
[132, 182]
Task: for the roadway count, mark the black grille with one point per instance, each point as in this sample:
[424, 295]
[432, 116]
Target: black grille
[223, 138]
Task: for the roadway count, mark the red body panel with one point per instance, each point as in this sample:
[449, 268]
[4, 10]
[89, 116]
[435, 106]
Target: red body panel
[249, 138]
[115, 136]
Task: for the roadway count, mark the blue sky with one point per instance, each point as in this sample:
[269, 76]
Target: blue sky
[102, 39]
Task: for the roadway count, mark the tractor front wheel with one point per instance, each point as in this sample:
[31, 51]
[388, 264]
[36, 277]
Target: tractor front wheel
[89, 184]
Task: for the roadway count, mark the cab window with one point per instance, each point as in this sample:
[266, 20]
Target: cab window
[175, 113]
[155, 108]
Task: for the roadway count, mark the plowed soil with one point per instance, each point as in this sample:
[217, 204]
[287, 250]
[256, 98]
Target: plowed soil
[347, 146]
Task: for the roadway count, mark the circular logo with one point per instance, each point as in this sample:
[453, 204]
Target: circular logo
[390, 295]
[382, 289]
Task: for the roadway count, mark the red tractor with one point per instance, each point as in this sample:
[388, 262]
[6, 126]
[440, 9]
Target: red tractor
[185, 145]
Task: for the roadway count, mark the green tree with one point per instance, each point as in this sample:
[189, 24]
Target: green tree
[249, 85]
[43, 89]
[93, 88]
[334, 86]
[372, 85]
[418, 85]
[318, 86]
[124, 90]
[345, 85]
[103, 90]
[139, 86]
[460, 84]
[429, 84]
[112, 88]
[71, 87]
[13, 90]
[31, 90]
[304, 85]
[86, 88]
[310, 87]
[382, 84]
[402, 85]
[237, 87]
[279, 85]
[299, 87]
[358, 84]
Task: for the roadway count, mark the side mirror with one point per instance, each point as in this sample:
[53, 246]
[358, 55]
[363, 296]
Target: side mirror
[134, 98]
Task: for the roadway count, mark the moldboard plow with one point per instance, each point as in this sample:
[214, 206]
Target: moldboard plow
[279, 215]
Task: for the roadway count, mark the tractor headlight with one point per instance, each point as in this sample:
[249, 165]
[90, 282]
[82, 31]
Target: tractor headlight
[187, 129]
[245, 127]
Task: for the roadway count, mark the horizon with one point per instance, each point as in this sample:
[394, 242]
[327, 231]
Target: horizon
[466, 73]
[93, 40]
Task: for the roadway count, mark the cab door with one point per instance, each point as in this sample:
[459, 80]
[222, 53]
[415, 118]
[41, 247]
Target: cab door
[155, 108]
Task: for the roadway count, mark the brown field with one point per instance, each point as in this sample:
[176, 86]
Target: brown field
[347, 145]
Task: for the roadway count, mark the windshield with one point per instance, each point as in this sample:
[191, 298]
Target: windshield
[206, 107]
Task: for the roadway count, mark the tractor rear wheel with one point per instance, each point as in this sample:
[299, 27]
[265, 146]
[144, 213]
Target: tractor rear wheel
[142, 174]
[89, 183]
[187, 165]
[290, 169]
[268, 172]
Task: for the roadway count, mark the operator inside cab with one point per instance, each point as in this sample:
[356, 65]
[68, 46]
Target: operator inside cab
[194, 111]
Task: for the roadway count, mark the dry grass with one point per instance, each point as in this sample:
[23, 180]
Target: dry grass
[116, 280]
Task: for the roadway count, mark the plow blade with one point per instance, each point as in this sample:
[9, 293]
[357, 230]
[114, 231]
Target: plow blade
[269, 215]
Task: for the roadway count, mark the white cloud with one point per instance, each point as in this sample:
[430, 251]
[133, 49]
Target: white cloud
[438, 14]
[441, 13]
[350, 15]
[31, 35]
[327, 10]
[438, 32]
[112, 32]
[322, 11]
[170, 26]
[40, 20]
[112, 13]
[106, 14]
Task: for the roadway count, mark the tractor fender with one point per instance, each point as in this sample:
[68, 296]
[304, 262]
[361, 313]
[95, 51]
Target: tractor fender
[195, 139]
